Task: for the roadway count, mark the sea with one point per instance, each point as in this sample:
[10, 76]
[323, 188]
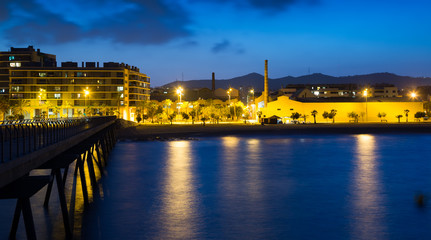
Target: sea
[343, 186]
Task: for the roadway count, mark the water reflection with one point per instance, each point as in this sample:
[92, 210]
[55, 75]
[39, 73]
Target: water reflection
[178, 197]
[368, 207]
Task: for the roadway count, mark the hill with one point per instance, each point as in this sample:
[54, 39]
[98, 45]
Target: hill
[255, 80]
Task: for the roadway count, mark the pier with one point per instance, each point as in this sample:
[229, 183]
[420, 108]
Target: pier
[53, 145]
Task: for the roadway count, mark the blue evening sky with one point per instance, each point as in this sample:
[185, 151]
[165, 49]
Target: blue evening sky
[168, 39]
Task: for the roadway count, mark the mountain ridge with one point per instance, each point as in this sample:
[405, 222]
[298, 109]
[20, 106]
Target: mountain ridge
[256, 81]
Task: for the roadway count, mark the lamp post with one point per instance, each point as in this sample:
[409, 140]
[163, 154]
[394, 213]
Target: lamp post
[179, 92]
[252, 99]
[413, 95]
[366, 102]
[86, 93]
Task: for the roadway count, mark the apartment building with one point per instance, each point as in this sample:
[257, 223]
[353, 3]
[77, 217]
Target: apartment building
[71, 89]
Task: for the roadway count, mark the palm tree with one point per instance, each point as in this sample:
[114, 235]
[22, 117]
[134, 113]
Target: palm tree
[407, 114]
[4, 106]
[325, 115]
[19, 107]
[332, 115]
[295, 116]
[399, 117]
[314, 113]
[353, 115]
[381, 115]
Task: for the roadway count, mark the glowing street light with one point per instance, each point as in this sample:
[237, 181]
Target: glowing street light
[86, 93]
[413, 95]
[366, 102]
[228, 93]
[179, 92]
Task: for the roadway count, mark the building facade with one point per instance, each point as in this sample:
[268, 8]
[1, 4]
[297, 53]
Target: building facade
[32, 78]
[368, 111]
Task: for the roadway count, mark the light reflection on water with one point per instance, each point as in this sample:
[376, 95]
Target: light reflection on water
[178, 193]
[262, 187]
[368, 203]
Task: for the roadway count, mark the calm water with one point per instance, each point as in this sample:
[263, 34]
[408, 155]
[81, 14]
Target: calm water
[266, 187]
[262, 187]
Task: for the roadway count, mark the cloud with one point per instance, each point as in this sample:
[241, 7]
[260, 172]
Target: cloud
[270, 6]
[122, 21]
[225, 46]
[221, 46]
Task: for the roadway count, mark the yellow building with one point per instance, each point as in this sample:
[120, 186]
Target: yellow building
[283, 107]
[70, 90]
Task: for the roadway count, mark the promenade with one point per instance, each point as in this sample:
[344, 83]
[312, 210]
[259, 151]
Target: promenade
[146, 132]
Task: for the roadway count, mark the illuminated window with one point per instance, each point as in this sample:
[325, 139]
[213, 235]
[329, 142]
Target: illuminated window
[11, 58]
[57, 88]
[57, 95]
[79, 95]
[42, 74]
[119, 89]
[12, 64]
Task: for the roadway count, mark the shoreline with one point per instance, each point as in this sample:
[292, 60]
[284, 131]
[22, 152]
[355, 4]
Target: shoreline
[130, 131]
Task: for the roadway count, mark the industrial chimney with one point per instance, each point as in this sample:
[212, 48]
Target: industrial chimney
[265, 93]
[213, 82]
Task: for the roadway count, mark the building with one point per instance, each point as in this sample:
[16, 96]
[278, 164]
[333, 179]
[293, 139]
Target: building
[367, 110]
[33, 78]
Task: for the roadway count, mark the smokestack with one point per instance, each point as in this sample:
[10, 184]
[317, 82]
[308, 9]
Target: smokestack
[265, 93]
[213, 82]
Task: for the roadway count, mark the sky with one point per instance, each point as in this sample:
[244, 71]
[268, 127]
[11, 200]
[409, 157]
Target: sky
[173, 40]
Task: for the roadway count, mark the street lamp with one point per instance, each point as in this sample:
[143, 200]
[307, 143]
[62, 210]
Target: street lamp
[366, 102]
[413, 95]
[228, 93]
[86, 93]
[179, 92]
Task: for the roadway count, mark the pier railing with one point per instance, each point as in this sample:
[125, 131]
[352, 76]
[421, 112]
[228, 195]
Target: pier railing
[20, 137]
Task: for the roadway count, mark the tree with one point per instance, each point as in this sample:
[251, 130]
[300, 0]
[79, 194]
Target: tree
[19, 108]
[167, 105]
[172, 116]
[406, 112]
[419, 115]
[185, 116]
[193, 114]
[295, 116]
[354, 116]
[138, 117]
[381, 115]
[325, 115]
[203, 119]
[4, 106]
[314, 113]
[332, 114]
[152, 109]
[399, 117]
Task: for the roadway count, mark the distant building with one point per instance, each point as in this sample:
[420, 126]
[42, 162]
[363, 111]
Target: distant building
[367, 110]
[70, 90]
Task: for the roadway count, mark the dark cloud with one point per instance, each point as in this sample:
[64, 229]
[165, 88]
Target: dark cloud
[263, 5]
[225, 46]
[221, 46]
[144, 22]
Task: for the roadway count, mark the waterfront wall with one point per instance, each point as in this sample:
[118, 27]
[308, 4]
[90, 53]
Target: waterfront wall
[284, 107]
